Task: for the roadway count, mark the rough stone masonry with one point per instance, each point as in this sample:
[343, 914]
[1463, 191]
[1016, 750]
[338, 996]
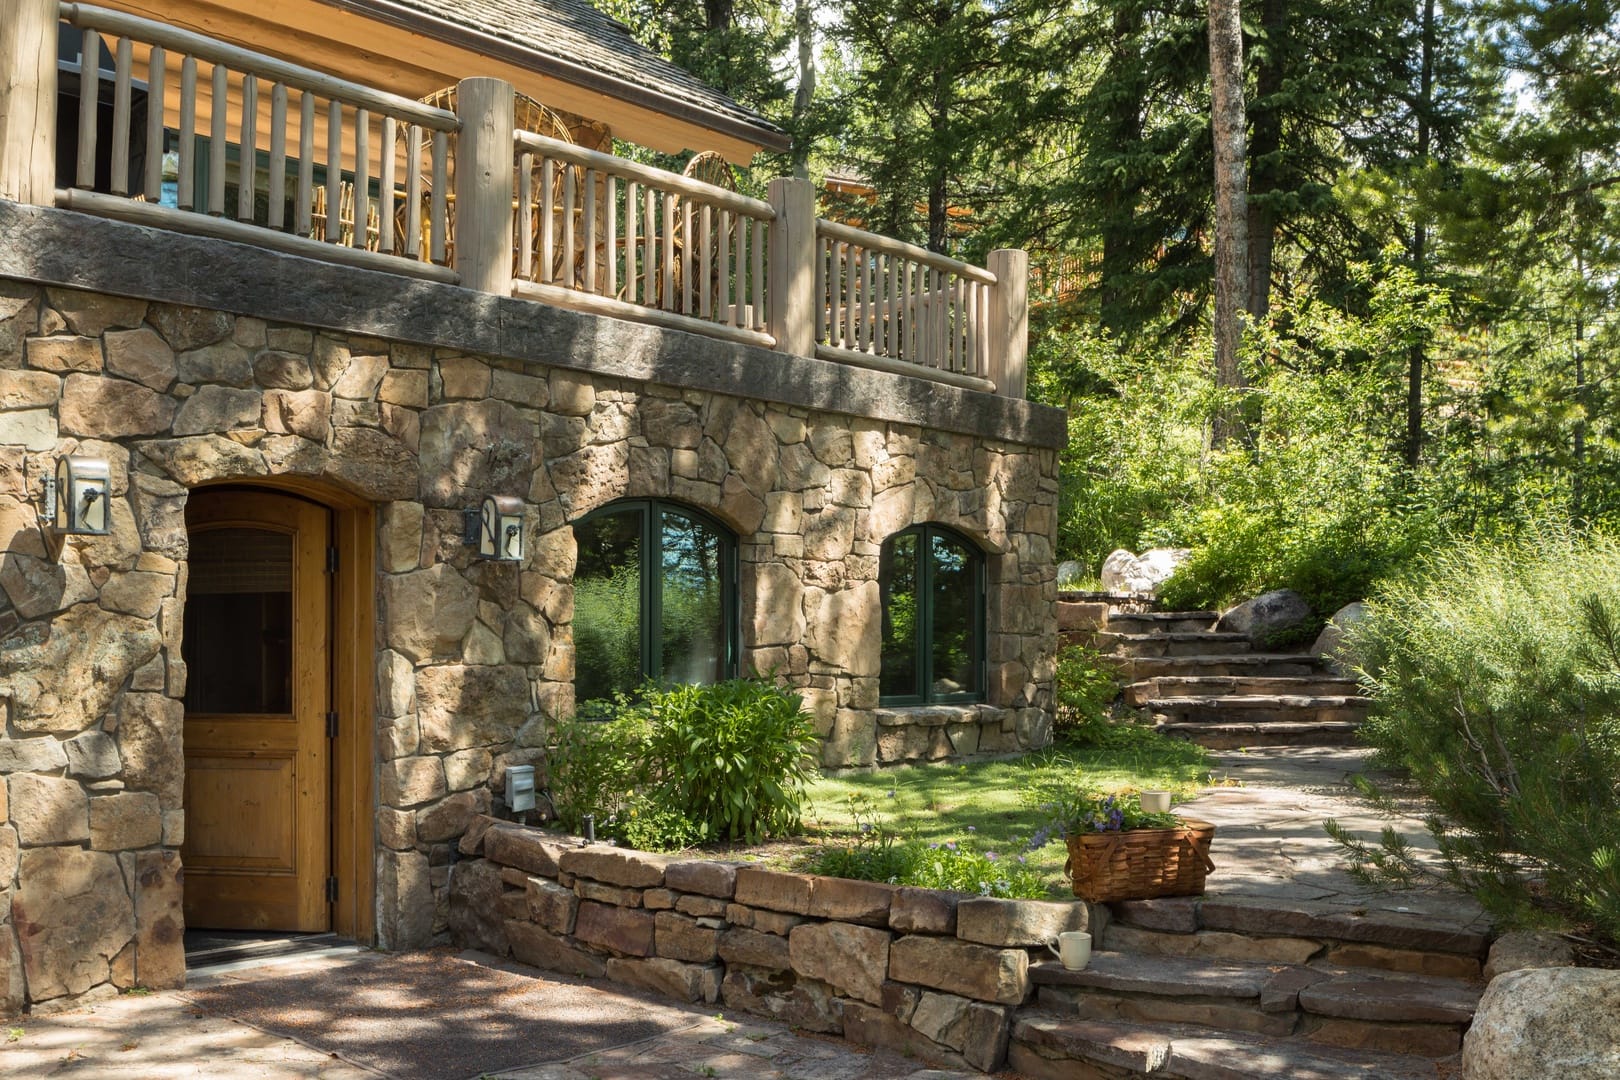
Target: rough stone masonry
[200, 362]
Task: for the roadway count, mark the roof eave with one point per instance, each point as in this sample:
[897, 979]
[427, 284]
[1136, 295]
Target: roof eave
[763, 135]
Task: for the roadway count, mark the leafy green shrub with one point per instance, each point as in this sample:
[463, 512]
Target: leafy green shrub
[1495, 675]
[687, 764]
[1086, 689]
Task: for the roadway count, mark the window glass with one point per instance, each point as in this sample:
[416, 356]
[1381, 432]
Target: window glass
[691, 624]
[646, 564]
[242, 579]
[932, 586]
[955, 668]
[897, 575]
[607, 604]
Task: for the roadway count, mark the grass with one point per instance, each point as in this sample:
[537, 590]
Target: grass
[982, 804]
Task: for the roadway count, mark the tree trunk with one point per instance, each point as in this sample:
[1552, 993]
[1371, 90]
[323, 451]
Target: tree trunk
[1417, 360]
[1265, 144]
[806, 93]
[1124, 68]
[1231, 203]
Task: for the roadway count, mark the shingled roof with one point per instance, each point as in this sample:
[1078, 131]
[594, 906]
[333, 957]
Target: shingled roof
[573, 41]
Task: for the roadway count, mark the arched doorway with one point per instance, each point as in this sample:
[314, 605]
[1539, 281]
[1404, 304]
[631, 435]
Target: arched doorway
[259, 724]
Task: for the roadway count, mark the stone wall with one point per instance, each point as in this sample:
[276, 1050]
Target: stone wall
[810, 466]
[935, 975]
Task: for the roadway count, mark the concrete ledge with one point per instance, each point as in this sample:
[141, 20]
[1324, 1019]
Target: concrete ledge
[61, 247]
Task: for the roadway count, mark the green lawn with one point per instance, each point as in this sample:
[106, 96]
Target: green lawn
[984, 805]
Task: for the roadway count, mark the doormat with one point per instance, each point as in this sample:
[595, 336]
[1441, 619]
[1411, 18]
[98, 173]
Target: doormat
[434, 1016]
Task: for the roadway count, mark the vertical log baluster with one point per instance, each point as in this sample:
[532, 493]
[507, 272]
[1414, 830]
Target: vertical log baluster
[891, 336]
[649, 247]
[334, 171]
[218, 138]
[611, 212]
[668, 256]
[247, 156]
[439, 215]
[632, 193]
[305, 200]
[705, 242]
[362, 178]
[570, 195]
[277, 193]
[155, 73]
[688, 255]
[548, 214]
[388, 153]
[187, 180]
[89, 97]
[739, 307]
[525, 216]
[591, 181]
[120, 137]
[759, 274]
[413, 192]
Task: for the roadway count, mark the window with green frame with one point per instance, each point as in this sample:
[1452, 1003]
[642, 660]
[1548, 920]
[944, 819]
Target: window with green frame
[932, 583]
[655, 597]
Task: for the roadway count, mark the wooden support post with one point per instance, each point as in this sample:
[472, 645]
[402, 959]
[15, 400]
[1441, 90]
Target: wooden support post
[792, 272]
[1009, 321]
[484, 173]
[28, 102]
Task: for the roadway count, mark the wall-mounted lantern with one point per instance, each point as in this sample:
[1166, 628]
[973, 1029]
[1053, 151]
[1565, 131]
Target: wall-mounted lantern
[496, 528]
[76, 498]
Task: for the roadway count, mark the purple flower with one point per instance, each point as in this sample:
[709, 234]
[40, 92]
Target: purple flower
[950, 845]
[990, 855]
[970, 828]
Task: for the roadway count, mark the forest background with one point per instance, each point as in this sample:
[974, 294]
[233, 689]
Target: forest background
[1433, 194]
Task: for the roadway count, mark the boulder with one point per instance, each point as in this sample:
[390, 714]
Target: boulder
[1144, 573]
[1330, 642]
[1520, 949]
[1546, 1022]
[1266, 617]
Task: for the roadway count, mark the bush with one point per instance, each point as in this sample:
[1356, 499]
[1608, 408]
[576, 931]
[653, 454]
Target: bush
[687, 764]
[1495, 674]
[1086, 689]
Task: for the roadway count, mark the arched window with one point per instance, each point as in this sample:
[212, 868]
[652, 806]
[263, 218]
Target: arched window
[655, 597]
[932, 581]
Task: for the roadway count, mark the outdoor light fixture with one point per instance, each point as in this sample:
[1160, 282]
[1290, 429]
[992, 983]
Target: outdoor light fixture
[496, 528]
[76, 498]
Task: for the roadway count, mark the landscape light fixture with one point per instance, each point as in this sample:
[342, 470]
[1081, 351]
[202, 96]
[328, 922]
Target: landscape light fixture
[495, 528]
[76, 497]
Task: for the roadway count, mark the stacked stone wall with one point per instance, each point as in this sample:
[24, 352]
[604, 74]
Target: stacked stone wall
[474, 658]
[936, 975]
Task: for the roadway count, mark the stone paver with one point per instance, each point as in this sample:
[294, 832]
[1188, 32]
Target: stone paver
[168, 1036]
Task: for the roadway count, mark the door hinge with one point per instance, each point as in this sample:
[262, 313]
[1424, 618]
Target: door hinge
[331, 725]
[331, 890]
[331, 559]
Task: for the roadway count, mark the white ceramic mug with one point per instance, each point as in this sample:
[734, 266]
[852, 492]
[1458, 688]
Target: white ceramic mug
[1073, 948]
[1155, 802]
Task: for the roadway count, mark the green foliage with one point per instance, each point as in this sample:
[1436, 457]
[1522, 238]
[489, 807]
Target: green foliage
[877, 853]
[1086, 690]
[1076, 807]
[1495, 674]
[687, 764]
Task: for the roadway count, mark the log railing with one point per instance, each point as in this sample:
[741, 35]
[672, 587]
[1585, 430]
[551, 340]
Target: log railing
[349, 173]
[604, 234]
[880, 299]
[210, 138]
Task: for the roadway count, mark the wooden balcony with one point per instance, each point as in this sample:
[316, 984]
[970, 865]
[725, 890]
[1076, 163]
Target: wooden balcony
[168, 128]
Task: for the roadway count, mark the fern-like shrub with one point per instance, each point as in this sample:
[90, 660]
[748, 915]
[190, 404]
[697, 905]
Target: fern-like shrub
[666, 768]
[1495, 675]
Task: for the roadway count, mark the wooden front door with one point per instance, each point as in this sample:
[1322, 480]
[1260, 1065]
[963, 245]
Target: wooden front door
[257, 849]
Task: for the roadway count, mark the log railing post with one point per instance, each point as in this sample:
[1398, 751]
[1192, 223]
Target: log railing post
[484, 172]
[1009, 321]
[792, 273]
[28, 101]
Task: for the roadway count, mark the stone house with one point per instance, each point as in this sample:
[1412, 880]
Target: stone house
[353, 428]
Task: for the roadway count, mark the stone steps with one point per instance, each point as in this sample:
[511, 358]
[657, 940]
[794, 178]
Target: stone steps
[1051, 1046]
[1172, 686]
[1352, 1008]
[1216, 664]
[1171, 643]
[1164, 621]
[1276, 733]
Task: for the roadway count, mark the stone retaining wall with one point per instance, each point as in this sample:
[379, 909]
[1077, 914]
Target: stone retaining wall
[933, 974]
[431, 399]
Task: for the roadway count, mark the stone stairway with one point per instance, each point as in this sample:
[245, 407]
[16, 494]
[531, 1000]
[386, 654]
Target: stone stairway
[1236, 988]
[1211, 687]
